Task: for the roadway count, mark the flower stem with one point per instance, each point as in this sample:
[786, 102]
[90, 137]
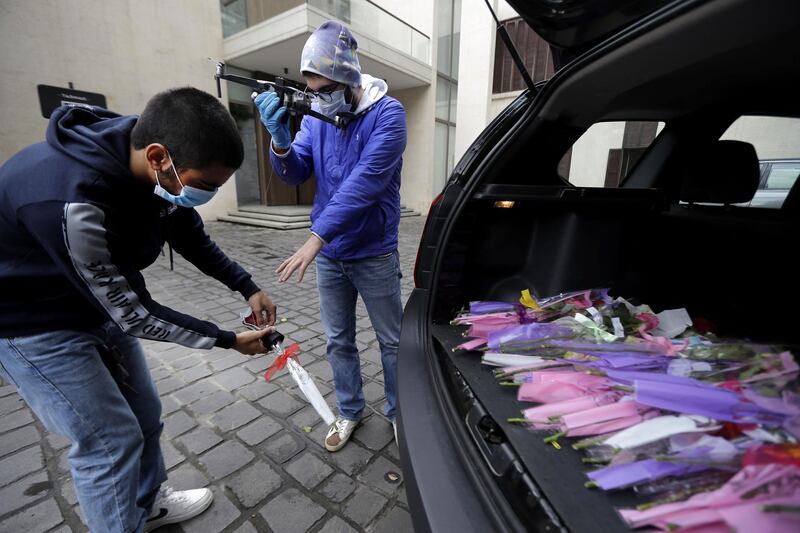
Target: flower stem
[502, 375]
[518, 421]
[588, 443]
[750, 372]
[593, 461]
[593, 372]
[780, 508]
[555, 437]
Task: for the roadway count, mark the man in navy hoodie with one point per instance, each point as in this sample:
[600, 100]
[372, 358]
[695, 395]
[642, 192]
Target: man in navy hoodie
[81, 215]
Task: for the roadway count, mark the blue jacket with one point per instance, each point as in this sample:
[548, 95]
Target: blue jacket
[76, 229]
[356, 208]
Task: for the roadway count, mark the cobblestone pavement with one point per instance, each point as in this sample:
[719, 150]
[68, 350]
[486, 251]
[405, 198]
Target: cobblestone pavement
[257, 444]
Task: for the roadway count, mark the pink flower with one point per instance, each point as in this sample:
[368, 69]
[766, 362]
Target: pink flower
[650, 321]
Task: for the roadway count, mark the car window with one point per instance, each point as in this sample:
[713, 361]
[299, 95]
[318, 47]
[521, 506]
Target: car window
[777, 144]
[606, 152]
[772, 137]
[782, 175]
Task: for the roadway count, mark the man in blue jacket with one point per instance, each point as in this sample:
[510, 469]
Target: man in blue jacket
[81, 215]
[356, 209]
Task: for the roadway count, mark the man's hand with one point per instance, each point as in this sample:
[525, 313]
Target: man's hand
[263, 308]
[249, 342]
[274, 118]
[300, 260]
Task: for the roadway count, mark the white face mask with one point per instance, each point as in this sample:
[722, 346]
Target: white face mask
[189, 196]
[337, 104]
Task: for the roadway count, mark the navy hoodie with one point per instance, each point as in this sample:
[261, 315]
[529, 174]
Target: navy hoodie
[76, 229]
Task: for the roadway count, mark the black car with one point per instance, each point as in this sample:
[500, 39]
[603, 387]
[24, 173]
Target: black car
[670, 235]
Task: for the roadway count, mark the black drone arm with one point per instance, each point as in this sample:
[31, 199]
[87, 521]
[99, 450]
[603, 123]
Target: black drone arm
[286, 93]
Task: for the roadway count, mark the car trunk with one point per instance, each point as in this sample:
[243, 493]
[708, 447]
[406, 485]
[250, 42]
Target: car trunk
[732, 266]
[726, 265]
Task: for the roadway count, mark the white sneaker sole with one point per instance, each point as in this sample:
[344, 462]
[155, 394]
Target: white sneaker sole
[196, 509]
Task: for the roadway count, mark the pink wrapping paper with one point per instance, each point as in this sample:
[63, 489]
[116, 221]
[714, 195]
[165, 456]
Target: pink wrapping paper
[782, 482]
[542, 413]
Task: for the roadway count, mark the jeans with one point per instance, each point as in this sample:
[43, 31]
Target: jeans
[377, 280]
[115, 457]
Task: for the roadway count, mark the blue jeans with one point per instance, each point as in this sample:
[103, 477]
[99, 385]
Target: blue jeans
[377, 280]
[115, 458]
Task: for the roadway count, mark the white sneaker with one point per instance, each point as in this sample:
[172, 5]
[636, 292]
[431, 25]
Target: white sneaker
[339, 433]
[173, 506]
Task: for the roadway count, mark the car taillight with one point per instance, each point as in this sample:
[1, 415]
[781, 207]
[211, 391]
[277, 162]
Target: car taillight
[434, 203]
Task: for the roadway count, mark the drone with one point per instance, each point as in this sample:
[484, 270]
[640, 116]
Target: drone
[297, 102]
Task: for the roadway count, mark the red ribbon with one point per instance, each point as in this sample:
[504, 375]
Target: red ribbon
[281, 361]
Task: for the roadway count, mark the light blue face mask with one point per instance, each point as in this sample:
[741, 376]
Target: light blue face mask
[189, 196]
[337, 103]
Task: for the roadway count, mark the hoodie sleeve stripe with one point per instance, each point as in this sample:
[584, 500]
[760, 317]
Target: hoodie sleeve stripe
[124, 297]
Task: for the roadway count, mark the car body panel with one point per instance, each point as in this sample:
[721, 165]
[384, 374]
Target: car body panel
[576, 25]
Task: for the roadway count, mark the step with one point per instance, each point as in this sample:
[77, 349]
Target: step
[283, 216]
[269, 216]
[404, 212]
[288, 210]
[281, 210]
[264, 223]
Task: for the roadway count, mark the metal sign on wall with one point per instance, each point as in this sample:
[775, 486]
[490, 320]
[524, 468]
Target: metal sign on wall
[51, 98]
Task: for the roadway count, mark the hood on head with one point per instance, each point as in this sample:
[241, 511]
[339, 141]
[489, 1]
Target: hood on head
[95, 137]
[331, 52]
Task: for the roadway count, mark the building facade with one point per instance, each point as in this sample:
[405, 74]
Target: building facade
[127, 51]
[264, 39]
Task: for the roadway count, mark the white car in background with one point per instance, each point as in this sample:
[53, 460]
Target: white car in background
[777, 178]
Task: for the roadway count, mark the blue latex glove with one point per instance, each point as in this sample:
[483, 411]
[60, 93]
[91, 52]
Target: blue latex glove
[273, 116]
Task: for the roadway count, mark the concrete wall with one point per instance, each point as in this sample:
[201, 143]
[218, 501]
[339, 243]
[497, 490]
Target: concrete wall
[417, 190]
[500, 102]
[590, 153]
[474, 74]
[126, 50]
[417, 187]
[477, 106]
[503, 10]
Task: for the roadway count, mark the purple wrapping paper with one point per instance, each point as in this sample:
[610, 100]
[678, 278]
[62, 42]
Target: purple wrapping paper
[787, 404]
[623, 360]
[527, 333]
[700, 399]
[628, 377]
[626, 475]
[482, 308]
[602, 348]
